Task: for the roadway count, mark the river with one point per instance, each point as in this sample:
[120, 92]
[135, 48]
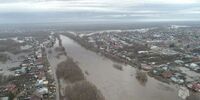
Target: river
[117, 84]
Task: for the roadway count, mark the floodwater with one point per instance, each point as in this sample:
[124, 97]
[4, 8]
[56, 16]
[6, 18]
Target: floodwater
[14, 61]
[54, 61]
[117, 84]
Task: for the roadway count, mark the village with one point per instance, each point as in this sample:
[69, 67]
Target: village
[162, 53]
[32, 79]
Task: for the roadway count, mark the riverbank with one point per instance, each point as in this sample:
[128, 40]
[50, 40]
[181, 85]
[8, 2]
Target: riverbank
[88, 46]
[85, 44]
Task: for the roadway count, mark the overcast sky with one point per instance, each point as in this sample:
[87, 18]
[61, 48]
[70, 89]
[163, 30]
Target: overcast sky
[98, 10]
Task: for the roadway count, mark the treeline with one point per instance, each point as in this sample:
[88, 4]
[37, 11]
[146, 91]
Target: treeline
[78, 87]
[60, 49]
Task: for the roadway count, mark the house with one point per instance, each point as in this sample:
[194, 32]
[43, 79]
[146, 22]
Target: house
[11, 88]
[41, 83]
[167, 74]
[146, 67]
[194, 86]
[194, 67]
[24, 65]
[39, 61]
[42, 91]
[178, 78]
[179, 62]
[40, 66]
[35, 97]
[4, 98]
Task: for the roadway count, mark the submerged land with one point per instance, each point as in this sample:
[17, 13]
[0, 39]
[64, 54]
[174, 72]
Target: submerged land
[107, 64]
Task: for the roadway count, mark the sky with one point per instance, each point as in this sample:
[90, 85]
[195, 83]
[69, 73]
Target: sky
[25, 11]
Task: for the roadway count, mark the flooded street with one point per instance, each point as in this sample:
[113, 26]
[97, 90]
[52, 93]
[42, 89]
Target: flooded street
[117, 84]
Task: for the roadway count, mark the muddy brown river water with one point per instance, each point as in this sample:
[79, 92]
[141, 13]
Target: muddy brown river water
[117, 84]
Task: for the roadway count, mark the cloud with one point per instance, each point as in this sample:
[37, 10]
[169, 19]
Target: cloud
[101, 9]
[92, 5]
[171, 1]
[194, 10]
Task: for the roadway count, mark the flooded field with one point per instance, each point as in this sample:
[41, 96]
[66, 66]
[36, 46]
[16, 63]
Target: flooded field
[13, 61]
[117, 84]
